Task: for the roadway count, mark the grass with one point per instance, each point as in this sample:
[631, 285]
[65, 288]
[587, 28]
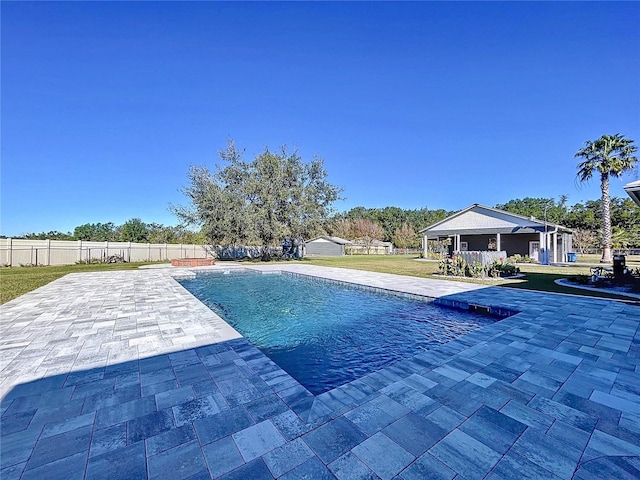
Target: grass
[537, 277]
[18, 281]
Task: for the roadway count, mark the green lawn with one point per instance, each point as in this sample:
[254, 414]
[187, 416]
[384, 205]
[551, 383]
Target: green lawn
[537, 277]
[19, 280]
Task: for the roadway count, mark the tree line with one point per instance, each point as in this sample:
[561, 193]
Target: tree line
[393, 224]
[133, 230]
[278, 198]
[402, 227]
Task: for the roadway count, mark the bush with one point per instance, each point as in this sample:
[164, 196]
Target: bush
[517, 258]
[458, 267]
[455, 266]
[501, 269]
[474, 270]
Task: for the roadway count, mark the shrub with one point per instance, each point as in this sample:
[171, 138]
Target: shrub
[501, 269]
[517, 258]
[455, 266]
[458, 267]
[474, 270]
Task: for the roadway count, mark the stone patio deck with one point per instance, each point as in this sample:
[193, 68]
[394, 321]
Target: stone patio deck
[125, 375]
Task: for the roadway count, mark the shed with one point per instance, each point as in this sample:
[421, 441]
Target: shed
[481, 228]
[326, 246]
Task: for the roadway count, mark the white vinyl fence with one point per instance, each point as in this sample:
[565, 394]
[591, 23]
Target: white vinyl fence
[485, 258]
[19, 252]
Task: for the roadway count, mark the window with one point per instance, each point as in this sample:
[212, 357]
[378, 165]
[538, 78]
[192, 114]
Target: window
[464, 246]
[493, 244]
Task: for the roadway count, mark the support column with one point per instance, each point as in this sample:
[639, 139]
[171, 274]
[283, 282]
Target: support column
[425, 246]
[498, 246]
[555, 247]
[541, 253]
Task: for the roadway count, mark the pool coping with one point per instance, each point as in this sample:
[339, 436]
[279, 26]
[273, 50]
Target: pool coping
[573, 360]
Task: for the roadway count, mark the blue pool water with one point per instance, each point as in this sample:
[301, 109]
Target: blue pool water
[327, 334]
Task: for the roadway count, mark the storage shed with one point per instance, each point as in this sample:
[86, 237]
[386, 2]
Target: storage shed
[326, 246]
[481, 228]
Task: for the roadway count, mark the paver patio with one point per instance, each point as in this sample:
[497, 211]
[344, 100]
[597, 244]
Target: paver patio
[126, 375]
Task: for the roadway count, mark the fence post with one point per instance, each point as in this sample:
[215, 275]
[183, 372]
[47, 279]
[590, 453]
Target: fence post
[129, 252]
[48, 252]
[79, 251]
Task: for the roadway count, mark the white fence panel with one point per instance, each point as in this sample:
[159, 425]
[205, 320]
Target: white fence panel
[483, 257]
[17, 252]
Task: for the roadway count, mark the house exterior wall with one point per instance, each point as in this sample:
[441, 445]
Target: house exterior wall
[325, 248]
[511, 243]
[477, 243]
[518, 243]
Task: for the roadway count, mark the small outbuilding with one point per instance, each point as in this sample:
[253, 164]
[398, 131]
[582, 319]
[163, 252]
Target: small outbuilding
[326, 246]
[480, 228]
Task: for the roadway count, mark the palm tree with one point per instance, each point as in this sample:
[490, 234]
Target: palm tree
[610, 155]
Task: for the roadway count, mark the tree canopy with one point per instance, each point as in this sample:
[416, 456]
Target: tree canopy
[608, 156]
[584, 218]
[272, 197]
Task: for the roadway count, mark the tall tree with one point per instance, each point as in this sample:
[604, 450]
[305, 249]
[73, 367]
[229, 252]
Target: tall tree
[134, 230]
[96, 232]
[277, 195]
[367, 232]
[405, 237]
[343, 228]
[610, 156]
[541, 208]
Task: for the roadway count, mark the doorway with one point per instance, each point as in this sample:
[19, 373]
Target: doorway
[534, 251]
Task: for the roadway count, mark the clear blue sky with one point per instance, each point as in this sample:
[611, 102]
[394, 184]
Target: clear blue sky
[434, 104]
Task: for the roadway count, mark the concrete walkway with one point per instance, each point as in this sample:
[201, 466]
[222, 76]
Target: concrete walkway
[125, 375]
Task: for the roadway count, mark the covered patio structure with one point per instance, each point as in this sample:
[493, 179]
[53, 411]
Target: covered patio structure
[480, 228]
[633, 190]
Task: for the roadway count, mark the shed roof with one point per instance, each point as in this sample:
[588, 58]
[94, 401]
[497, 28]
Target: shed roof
[479, 219]
[338, 240]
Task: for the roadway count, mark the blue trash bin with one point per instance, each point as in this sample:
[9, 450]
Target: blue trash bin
[572, 257]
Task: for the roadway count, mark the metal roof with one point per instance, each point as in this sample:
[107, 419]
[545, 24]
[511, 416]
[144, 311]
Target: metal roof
[480, 219]
[338, 240]
[633, 190]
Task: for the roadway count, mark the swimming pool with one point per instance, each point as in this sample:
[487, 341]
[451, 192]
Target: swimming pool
[325, 334]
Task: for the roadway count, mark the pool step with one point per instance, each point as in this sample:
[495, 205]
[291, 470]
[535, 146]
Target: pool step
[495, 311]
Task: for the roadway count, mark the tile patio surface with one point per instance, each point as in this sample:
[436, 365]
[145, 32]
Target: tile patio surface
[125, 375]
